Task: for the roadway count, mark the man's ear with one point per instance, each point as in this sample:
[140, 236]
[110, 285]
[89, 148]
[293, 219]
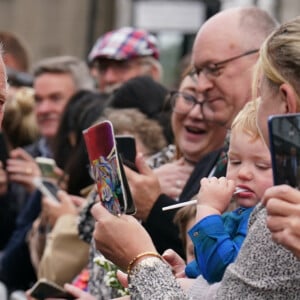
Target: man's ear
[156, 72]
[289, 98]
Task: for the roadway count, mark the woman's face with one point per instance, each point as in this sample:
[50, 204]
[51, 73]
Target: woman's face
[194, 136]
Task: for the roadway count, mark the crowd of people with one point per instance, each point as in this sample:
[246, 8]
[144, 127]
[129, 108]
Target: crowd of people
[205, 141]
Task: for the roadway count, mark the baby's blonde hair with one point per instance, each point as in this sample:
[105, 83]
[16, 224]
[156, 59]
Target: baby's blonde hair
[246, 120]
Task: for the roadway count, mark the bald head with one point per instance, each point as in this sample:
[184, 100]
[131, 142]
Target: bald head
[243, 28]
[226, 35]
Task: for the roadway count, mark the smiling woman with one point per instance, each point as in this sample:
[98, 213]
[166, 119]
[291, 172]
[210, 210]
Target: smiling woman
[194, 136]
[199, 145]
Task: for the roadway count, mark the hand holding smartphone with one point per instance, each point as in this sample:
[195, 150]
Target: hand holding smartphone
[107, 169]
[47, 188]
[284, 135]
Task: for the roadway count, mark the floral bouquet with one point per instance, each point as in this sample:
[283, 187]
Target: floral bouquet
[110, 278]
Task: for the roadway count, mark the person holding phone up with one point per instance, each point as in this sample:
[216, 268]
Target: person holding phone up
[263, 269]
[280, 92]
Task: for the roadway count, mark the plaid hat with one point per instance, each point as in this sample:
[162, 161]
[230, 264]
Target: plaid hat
[124, 44]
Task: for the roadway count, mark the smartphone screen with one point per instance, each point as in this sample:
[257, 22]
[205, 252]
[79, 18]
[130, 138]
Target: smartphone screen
[47, 188]
[47, 166]
[127, 150]
[107, 169]
[284, 134]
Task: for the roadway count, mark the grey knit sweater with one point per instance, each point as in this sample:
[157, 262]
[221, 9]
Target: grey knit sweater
[263, 270]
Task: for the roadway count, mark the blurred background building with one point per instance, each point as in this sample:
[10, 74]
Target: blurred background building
[60, 27]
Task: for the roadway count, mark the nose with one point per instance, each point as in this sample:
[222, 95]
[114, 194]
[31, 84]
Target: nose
[196, 111]
[110, 76]
[44, 106]
[203, 83]
[245, 172]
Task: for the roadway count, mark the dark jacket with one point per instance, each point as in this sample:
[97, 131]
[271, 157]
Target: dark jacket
[160, 226]
[16, 270]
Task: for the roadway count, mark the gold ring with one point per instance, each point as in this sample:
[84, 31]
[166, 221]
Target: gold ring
[28, 171]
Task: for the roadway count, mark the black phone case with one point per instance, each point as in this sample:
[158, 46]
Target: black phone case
[284, 136]
[44, 289]
[127, 150]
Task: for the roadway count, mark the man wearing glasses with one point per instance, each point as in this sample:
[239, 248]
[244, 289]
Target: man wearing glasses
[225, 51]
[224, 54]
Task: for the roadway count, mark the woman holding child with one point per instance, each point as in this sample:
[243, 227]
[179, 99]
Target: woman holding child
[263, 269]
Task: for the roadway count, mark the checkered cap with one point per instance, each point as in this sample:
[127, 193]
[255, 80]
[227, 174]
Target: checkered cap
[124, 44]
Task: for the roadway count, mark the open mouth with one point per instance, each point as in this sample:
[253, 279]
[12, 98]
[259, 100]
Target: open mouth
[195, 130]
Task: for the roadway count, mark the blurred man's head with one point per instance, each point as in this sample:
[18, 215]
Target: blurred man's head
[225, 51]
[16, 60]
[122, 54]
[15, 54]
[56, 79]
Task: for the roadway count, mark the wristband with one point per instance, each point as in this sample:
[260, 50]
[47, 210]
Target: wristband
[133, 261]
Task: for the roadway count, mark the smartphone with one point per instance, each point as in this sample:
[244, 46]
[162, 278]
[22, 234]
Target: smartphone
[4, 155]
[284, 136]
[107, 169]
[47, 188]
[127, 150]
[47, 166]
[44, 289]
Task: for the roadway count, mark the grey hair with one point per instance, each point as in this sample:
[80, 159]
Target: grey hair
[155, 63]
[77, 68]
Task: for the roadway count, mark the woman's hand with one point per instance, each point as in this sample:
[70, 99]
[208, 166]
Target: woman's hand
[173, 176]
[52, 210]
[144, 187]
[176, 262]
[283, 207]
[78, 293]
[119, 238]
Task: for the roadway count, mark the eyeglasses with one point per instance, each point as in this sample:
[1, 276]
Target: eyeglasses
[118, 66]
[213, 69]
[183, 103]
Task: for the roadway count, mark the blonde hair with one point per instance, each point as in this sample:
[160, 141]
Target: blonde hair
[279, 59]
[19, 122]
[246, 120]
